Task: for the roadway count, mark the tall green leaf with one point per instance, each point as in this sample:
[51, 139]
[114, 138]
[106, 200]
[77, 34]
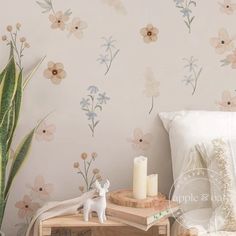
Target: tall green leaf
[19, 157]
[30, 75]
[15, 110]
[2, 75]
[8, 88]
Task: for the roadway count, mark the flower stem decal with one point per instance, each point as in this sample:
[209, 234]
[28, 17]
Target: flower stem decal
[109, 54]
[185, 9]
[19, 44]
[194, 72]
[151, 87]
[92, 104]
[59, 20]
[84, 171]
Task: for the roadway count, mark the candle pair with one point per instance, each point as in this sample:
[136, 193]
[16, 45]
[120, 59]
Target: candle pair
[143, 185]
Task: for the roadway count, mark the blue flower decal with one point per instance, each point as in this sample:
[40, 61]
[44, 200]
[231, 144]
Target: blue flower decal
[91, 115]
[185, 8]
[110, 52]
[93, 89]
[194, 72]
[102, 98]
[84, 102]
[92, 105]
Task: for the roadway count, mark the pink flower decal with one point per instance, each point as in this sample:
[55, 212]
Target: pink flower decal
[223, 43]
[26, 207]
[40, 189]
[227, 7]
[140, 141]
[230, 60]
[45, 132]
[228, 102]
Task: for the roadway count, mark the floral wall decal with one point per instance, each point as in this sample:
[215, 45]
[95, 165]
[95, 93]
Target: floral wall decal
[39, 193]
[45, 132]
[117, 5]
[230, 60]
[89, 176]
[149, 33]
[60, 20]
[227, 7]
[19, 43]
[92, 104]
[55, 72]
[151, 87]
[223, 44]
[193, 73]
[140, 140]
[109, 54]
[228, 101]
[185, 7]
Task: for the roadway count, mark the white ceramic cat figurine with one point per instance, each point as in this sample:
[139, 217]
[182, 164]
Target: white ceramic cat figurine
[98, 204]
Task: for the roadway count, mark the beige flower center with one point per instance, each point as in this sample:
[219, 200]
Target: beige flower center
[54, 72]
[149, 33]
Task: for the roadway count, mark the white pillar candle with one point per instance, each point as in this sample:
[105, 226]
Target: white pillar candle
[152, 185]
[140, 177]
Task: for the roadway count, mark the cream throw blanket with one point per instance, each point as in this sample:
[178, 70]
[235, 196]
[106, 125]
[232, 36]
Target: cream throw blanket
[53, 209]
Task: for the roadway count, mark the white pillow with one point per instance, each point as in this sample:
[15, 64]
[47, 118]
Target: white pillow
[188, 128]
[219, 157]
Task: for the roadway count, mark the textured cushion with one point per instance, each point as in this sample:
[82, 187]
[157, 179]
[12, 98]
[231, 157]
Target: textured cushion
[219, 157]
[188, 128]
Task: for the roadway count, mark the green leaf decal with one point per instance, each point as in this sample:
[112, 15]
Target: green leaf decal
[19, 157]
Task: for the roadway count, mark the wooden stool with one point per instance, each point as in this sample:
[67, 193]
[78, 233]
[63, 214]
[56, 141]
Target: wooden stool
[109, 228]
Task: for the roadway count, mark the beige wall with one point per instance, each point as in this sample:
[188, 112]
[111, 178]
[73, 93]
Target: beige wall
[139, 70]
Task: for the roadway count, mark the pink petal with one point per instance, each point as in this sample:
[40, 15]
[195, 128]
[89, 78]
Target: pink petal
[22, 213]
[27, 199]
[147, 137]
[223, 34]
[39, 181]
[138, 133]
[226, 96]
[20, 204]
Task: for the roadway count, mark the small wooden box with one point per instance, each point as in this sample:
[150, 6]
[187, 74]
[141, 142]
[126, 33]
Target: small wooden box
[74, 225]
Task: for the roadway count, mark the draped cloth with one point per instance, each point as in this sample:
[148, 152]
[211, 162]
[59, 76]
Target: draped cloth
[56, 208]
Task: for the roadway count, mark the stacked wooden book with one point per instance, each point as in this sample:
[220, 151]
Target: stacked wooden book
[142, 218]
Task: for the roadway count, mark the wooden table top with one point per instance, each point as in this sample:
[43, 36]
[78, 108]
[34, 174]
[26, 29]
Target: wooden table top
[77, 221]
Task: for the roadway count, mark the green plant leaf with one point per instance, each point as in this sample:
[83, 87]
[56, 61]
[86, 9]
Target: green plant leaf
[16, 109]
[19, 158]
[8, 90]
[2, 75]
[34, 70]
